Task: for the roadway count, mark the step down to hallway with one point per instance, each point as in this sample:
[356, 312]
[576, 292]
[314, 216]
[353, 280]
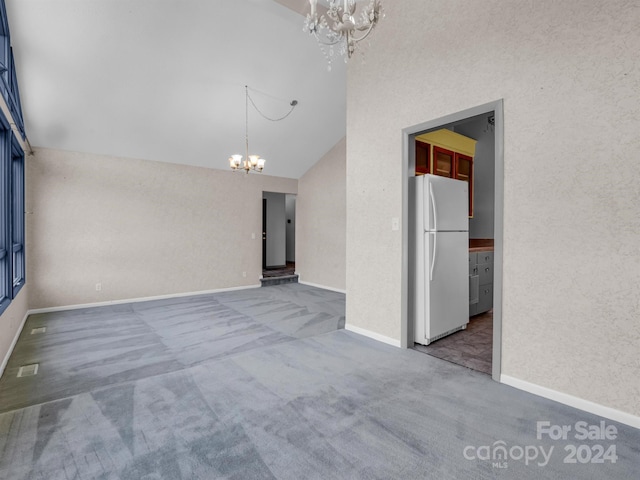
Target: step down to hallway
[279, 280]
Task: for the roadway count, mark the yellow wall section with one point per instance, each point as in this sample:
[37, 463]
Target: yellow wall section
[450, 140]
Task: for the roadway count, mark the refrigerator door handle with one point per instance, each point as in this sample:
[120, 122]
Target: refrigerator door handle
[433, 207]
[433, 261]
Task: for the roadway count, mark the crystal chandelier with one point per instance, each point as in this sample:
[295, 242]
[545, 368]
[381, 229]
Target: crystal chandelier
[344, 31]
[252, 162]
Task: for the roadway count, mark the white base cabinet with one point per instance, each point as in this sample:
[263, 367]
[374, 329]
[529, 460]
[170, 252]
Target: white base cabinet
[480, 282]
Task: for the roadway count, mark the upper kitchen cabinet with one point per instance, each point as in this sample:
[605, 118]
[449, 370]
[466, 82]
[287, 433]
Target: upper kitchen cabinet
[423, 157]
[464, 171]
[448, 154]
[443, 162]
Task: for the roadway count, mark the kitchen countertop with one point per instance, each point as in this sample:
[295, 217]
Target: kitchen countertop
[480, 245]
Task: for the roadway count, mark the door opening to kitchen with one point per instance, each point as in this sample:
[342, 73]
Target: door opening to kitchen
[454, 238]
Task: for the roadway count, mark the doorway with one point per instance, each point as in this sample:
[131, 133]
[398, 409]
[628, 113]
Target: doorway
[486, 227]
[278, 234]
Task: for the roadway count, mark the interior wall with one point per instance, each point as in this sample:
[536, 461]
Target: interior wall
[290, 211]
[276, 229]
[569, 77]
[481, 224]
[11, 319]
[139, 228]
[321, 225]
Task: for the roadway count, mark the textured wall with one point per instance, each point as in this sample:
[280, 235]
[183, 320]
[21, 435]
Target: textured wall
[569, 76]
[140, 228]
[321, 221]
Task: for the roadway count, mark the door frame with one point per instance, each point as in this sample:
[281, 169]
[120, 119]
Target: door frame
[280, 237]
[264, 233]
[408, 149]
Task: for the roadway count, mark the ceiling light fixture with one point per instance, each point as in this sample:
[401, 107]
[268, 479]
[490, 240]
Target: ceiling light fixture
[252, 162]
[344, 31]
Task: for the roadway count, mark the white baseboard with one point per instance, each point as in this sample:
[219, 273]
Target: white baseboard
[575, 402]
[137, 300]
[373, 335]
[324, 287]
[5, 360]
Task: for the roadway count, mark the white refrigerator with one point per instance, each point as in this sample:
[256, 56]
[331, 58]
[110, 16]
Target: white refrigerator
[441, 256]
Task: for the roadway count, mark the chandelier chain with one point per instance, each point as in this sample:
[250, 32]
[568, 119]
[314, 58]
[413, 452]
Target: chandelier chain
[292, 104]
[252, 162]
[246, 118]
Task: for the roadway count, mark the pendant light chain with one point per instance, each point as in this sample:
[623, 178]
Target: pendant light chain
[292, 105]
[252, 162]
[246, 118]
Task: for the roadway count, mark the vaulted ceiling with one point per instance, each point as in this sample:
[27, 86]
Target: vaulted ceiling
[164, 80]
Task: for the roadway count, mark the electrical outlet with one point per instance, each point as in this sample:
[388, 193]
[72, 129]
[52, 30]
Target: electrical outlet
[244, 274]
[395, 224]
[253, 236]
[98, 287]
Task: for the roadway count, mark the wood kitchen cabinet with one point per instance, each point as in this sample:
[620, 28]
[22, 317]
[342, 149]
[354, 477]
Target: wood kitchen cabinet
[448, 154]
[443, 162]
[423, 158]
[464, 171]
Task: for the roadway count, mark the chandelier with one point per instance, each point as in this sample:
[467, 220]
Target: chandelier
[343, 31]
[252, 162]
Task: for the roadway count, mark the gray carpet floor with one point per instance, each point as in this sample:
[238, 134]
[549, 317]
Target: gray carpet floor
[265, 384]
[93, 347]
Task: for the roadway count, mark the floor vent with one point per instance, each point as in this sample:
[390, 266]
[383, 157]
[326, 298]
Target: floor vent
[28, 370]
[37, 330]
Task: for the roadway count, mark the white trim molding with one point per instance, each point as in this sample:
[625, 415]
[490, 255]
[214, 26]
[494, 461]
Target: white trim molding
[324, 287]
[572, 401]
[137, 300]
[5, 361]
[373, 335]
